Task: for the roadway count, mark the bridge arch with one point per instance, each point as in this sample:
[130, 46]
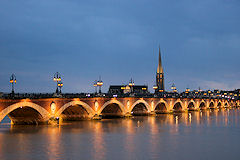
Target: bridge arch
[139, 102]
[211, 104]
[219, 104]
[226, 104]
[45, 115]
[202, 105]
[161, 107]
[89, 110]
[178, 106]
[113, 101]
[191, 105]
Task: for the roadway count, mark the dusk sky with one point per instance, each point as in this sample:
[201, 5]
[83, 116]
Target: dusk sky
[119, 39]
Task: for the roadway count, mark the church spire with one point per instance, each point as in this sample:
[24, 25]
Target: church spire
[160, 68]
[160, 75]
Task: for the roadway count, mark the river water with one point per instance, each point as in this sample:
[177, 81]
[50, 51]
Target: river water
[206, 135]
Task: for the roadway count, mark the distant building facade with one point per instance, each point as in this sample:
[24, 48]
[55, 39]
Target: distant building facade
[126, 89]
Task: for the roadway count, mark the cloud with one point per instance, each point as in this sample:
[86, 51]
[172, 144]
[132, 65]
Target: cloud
[84, 39]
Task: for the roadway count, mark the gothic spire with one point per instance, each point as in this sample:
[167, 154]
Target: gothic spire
[160, 68]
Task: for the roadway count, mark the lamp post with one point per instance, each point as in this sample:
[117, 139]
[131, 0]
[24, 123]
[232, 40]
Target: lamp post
[60, 85]
[173, 88]
[131, 84]
[95, 85]
[187, 90]
[57, 78]
[155, 89]
[100, 83]
[13, 80]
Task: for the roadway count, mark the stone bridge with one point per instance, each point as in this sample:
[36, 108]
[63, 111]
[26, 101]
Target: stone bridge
[37, 111]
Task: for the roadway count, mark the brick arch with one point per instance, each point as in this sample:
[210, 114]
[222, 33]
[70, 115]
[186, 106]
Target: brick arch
[159, 102]
[121, 106]
[202, 101]
[226, 102]
[89, 110]
[220, 103]
[211, 102]
[141, 101]
[192, 101]
[43, 112]
[178, 101]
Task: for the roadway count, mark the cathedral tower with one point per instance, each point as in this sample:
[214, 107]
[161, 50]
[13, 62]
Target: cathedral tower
[159, 76]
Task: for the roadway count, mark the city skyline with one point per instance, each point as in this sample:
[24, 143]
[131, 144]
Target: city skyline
[119, 41]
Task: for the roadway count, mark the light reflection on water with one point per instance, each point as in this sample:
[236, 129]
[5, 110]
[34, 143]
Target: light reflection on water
[211, 134]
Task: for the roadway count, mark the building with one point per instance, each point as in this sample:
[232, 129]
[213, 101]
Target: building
[159, 87]
[126, 89]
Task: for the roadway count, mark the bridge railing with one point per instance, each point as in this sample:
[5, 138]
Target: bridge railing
[107, 95]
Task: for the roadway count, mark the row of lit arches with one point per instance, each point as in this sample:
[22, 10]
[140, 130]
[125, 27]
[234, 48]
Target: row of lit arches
[31, 113]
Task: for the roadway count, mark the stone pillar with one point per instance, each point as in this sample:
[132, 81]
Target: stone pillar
[97, 115]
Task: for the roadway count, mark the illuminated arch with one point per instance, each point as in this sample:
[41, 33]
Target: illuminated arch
[219, 102]
[178, 101]
[112, 102]
[43, 112]
[161, 101]
[226, 102]
[141, 101]
[211, 102]
[89, 110]
[202, 102]
[191, 101]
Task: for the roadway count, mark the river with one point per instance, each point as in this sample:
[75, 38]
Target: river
[203, 135]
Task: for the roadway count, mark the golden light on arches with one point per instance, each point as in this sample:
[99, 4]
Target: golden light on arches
[128, 105]
[53, 107]
[152, 105]
[96, 105]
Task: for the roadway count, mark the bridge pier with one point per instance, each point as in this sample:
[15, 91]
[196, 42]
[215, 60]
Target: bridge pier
[53, 121]
[128, 115]
[96, 117]
[153, 113]
[193, 109]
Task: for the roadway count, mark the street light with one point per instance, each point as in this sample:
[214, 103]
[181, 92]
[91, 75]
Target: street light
[60, 85]
[57, 78]
[187, 90]
[155, 87]
[100, 83]
[13, 80]
[173, 88]
[131, 84]
[95, 85]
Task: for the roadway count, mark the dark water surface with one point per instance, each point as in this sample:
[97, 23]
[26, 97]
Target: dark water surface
[205, 135]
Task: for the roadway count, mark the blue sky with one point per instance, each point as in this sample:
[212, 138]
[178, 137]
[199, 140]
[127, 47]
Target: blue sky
[118, 39]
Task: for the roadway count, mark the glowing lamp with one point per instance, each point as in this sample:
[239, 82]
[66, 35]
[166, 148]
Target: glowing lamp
[99, 83]
[155, 87]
